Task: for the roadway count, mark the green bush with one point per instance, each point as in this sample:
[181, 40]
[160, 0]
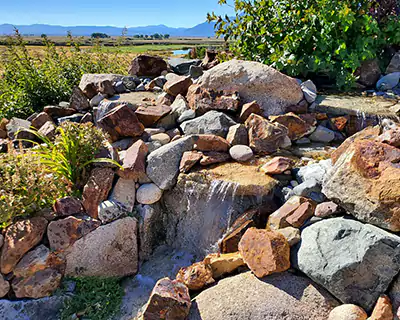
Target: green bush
[325, 37]
[32, 78]
[26, 186]
[94, 299]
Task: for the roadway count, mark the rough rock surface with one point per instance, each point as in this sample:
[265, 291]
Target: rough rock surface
[196, 276]
[356, 262]
[4, 287]
[148, 193]
[278, 296]
[222, 264]
[134, 164]
[297, 127]
[147, 65]
[348, 312]
[382, 309]
[96, 78]
[272, 90]
[108, 251]
[68, 206]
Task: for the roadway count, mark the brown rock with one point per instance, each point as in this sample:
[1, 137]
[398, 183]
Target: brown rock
[96, 189]
[63, 233]
[310, 118]
[106, 88]
[90, 90]
[121, 122]
[38, 274]
[264, 136]
[238, 135]
[40, 120]
[391, 137]
[189, 159]
[326, 209]
[134, 163]
[248, 109]
[147, 65]
[4, 286]
[297, 127]
[169, 299]
[178, 86]
[340, 122]
[383, 309]
[348, 312]
[78, 100]
[165, 99]
[210, 60]
[294, 212]
[196, 276]
[210, 142]
[265, 252]
[57, 112]
[149, 115]
[213, 157]
[321, 116]
[68, 206]
[369, 73]
[300, 108]
[20, 237]
[48, 130]
[222, 264]
[277, 165]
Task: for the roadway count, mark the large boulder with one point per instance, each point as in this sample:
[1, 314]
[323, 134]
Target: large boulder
[147, 65]
[273, 90]
[96, 79]
[279, 296]
[108, 251]
[356, 262]
[365, 180]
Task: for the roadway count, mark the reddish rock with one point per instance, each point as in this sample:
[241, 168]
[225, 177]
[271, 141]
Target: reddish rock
[223, 264]
[297, 127]
[78, 100]
[147, 65]
[203, 100]
[90, 90]
[169, 299]
[390, 137]
[277, 165]
[63, 233]
[310, 118]
[48, 130]
[210, 60]
[38, 274]
[197, 276]
[265, 252]
[213, 157]
[189, 159]
[293, 213]
[149, 115]
[97, 189]
[383, 309]
[210, 142]
[248, 109]
[4, 286]
[326, 209]
[165, 99]
[265, 137]
[19, 238]
[68, 206]
[121, 122]
[238, 135]
[178, 86]
[321, 116]
[57, 112]
[40, 120]
[300, 108]
[339, 123]
[134, 163]
[106, 88]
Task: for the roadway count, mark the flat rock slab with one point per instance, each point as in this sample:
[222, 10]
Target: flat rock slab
[280, 296]
[355, 105]
[135, 98]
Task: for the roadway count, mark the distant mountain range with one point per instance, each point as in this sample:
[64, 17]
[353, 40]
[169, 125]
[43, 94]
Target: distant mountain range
[201, 30]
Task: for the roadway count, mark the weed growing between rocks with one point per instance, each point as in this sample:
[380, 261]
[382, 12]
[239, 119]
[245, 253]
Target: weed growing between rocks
[94, 298]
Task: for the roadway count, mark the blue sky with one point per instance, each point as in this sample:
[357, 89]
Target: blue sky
[173, 13]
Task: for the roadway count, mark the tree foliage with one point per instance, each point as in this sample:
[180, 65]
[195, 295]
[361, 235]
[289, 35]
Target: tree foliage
[329, 37]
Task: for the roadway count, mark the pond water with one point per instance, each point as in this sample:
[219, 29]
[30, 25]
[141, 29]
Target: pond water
[180, 52]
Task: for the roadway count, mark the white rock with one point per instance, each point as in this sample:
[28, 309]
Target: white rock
[309, 91]
[110, 211]
[163, 138]
[241, 153]
[148, 194]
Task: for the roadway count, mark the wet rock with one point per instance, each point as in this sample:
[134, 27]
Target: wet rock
[40, 120]
[209, 142]
[337, 252]
[369, 73]
[365, 182]
[121, 122]
[147, 65]
[19, 238]
[326, 209]
[297, 127]
[87, 118]
[241, 153]
[48, 130]
[4, 287]
[169, 299]
[212, 157]
[124, 193]
[148, 194]
[394, 65]
[248, 109]
[322, 134]
[223, 264]
[348, 312]
[119, 87]
[196, 276]
[383, 309]
[63, 233]
[265, 252]
[149, 115]
[134, 164]
[189, 159]
[293, 213]
[254, 81]
[109, 251]
[309, 90]
[277, 165]
[213, 122]
[110, 211]
[288, 295]
[291, 234]
[238, 134]
[68, 206]
[38, 274]
[178, 86]
[264, 136]
[78, 100]
[96, 189]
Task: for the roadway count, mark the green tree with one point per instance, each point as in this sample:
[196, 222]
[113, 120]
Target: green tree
[99, 35]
